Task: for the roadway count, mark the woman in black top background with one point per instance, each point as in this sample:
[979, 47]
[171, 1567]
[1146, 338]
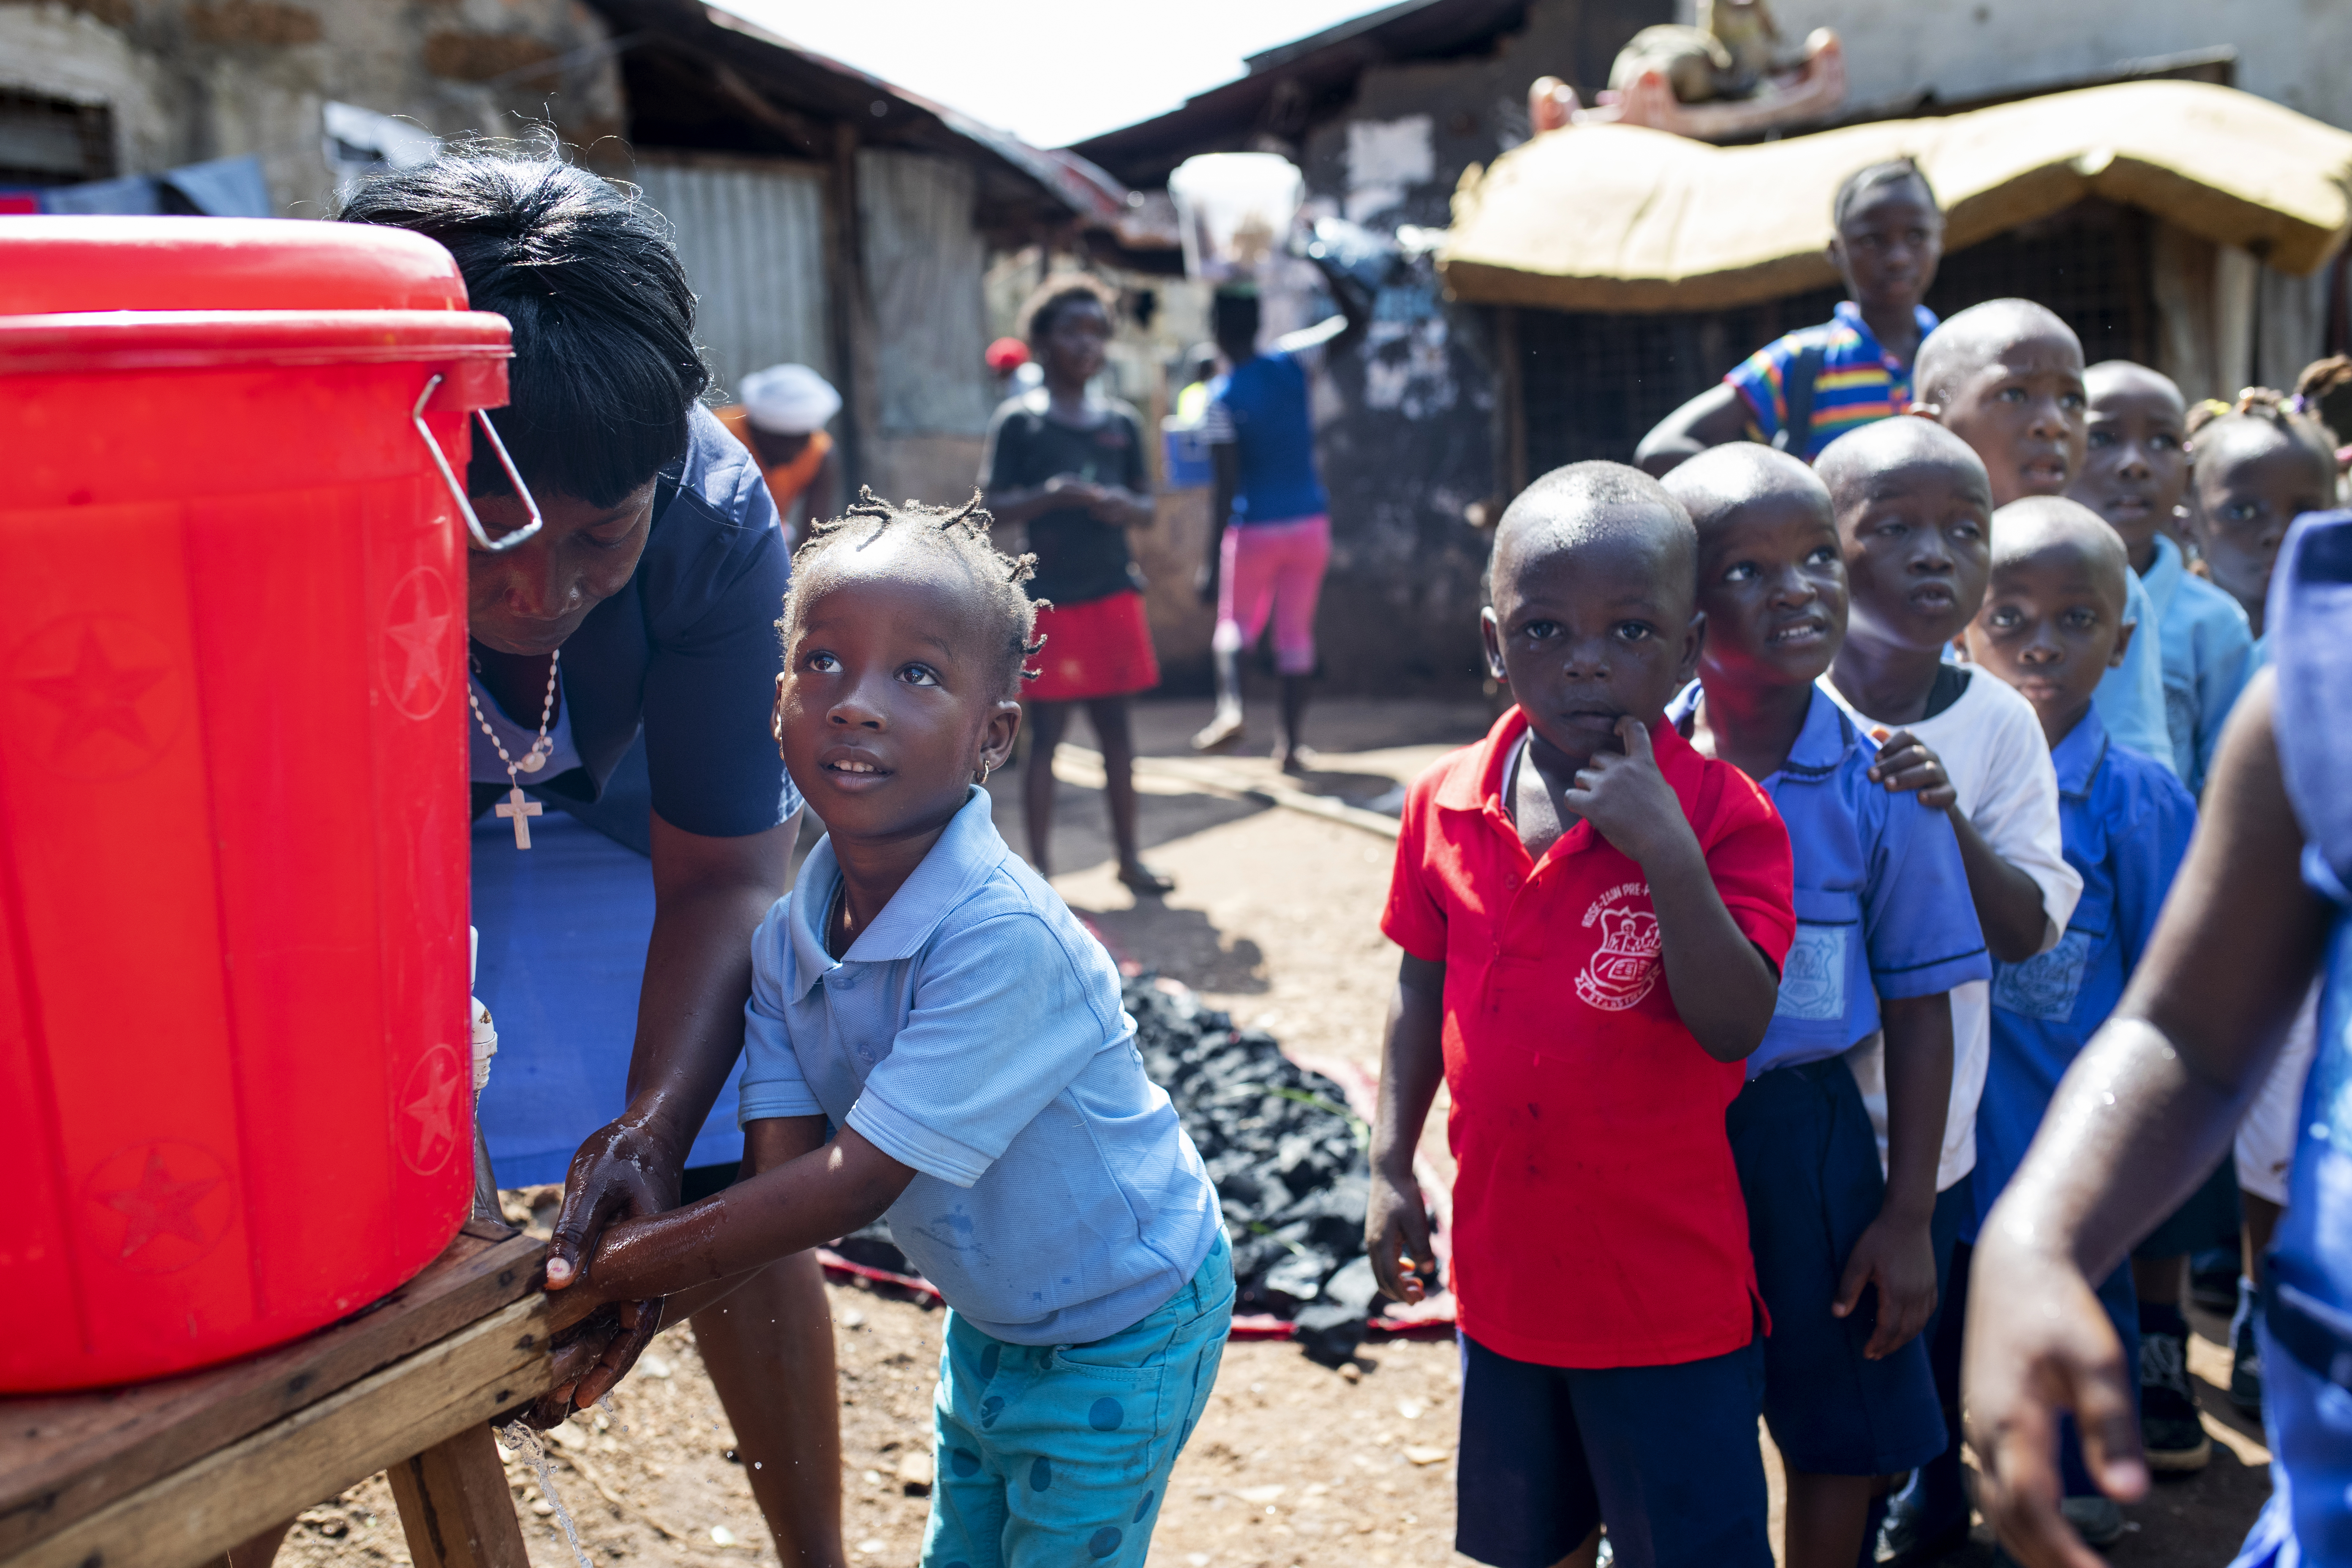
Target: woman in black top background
[1071, 467]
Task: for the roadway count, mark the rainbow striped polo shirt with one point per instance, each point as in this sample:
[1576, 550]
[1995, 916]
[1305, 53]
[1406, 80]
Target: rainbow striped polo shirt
[1858, 383]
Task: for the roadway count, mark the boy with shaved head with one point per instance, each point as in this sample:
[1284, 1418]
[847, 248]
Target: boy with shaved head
[2006, 376]
[1593, 917]
[1885, 931]
[1914, 510]
[2053, 623]
[2134, 476]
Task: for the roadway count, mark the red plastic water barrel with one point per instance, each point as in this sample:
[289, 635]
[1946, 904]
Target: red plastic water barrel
[233, 1082]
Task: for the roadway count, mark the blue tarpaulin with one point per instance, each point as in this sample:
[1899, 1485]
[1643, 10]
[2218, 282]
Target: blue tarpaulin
[223, 187]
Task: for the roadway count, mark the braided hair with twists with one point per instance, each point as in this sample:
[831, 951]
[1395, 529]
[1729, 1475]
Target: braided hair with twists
[958, 534]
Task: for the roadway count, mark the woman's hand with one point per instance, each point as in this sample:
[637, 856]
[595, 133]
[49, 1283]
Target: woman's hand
[2038, 1342]
[624, 1170]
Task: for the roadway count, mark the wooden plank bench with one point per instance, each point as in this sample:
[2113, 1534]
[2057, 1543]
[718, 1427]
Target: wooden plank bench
[173, 1473]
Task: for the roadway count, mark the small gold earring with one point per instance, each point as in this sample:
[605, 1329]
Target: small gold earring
[986, 769]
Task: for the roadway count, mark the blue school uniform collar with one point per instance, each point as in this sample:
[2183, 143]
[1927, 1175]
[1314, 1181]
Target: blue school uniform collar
[1820, 745]
[1851, 314]
[2077, 758]
[967, 853]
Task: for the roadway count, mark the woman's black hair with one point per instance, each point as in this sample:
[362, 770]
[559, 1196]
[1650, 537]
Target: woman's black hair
[605, 367]
[1863, 181]
[1234, 316]
[1058, 293]
[959, 533]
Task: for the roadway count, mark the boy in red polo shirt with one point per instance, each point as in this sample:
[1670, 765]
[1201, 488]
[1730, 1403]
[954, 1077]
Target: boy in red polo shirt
[1593, 917]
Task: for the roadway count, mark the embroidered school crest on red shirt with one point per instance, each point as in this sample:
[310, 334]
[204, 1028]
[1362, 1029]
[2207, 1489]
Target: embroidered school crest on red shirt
[1626, 964]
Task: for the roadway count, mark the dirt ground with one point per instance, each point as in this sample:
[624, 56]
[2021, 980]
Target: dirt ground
[1275, 917]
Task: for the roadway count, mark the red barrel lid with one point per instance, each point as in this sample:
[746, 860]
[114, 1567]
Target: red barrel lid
[53, 265]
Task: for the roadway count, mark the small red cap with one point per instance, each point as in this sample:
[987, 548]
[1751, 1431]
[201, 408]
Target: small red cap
[1007, 354]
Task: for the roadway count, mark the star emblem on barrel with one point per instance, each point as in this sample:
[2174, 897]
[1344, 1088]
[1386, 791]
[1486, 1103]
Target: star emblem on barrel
[96, 694]
[416, 651]
[426, 1121]
[160, 1205]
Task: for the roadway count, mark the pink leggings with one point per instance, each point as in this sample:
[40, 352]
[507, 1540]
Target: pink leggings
[1273, 569]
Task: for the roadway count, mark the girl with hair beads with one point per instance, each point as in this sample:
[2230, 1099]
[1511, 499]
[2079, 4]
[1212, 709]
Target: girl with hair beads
[934, 1035]
[1070, 465]
[2254, 466]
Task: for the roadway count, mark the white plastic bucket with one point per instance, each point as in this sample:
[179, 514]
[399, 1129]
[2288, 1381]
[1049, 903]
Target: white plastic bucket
[1235, 210]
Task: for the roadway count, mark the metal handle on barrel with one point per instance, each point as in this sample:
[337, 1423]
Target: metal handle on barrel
[482, 540]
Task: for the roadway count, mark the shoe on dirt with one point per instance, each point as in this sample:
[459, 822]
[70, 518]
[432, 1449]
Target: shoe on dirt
[2169, 1425]
[2245, 1356]
[2213, 1279]
[2099, 1521]
[1908, 1537]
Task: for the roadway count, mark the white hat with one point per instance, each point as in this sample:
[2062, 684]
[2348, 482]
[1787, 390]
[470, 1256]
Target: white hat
[788, 399]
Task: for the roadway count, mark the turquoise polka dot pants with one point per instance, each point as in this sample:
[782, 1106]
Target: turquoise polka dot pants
[1059, 1455]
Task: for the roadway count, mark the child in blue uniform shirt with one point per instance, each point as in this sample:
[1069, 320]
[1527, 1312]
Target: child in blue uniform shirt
[2053, 625]
[1885, 930]
[932, 1034]
[2134, 476]
[2262, 906]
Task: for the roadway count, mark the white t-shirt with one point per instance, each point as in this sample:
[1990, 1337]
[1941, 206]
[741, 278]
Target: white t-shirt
[1993, 752]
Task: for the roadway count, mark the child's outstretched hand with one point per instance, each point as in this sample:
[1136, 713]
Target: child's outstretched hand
[1905, 763]
[1626, 798]
[1396, 1234]
[590, 1358]
[1900, 1261]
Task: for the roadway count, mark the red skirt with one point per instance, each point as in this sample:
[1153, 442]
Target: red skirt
[1099, 648]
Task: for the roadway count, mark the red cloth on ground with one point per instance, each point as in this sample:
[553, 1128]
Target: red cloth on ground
[1099, 648]
[1598, 1220]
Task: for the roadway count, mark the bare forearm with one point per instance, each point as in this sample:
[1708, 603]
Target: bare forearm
[1714, 416]
[690, 1008]
[709, 896]
[1722, 986]
[2133, 1129]
[2009, 902]
[1919, 1053]
[1412, 1064]
[2150, 1105]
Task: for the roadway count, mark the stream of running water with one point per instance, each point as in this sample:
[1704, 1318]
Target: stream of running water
[523, 1440]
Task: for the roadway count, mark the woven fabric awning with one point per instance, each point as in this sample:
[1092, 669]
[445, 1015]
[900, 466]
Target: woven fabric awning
[1608, 218]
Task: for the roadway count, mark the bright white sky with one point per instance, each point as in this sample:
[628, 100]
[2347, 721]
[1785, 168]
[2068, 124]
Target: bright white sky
[1050, 71]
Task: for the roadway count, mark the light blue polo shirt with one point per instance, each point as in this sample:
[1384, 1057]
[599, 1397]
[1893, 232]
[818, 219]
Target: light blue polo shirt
[2130, 697]
[2207, 658]
[1883, 905]
[974, 1032]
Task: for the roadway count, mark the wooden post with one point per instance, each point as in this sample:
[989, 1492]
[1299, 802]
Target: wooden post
[1510, 408]
[455, 1506]
[855, 360]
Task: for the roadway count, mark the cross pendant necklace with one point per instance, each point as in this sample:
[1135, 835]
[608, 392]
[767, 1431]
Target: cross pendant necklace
[518, 805]
[523, 808]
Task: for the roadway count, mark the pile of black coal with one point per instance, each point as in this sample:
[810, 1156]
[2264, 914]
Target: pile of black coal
[1286, 1154]
[1288, 1158]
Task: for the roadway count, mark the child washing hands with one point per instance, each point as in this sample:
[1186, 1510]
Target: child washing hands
[934, 1035]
